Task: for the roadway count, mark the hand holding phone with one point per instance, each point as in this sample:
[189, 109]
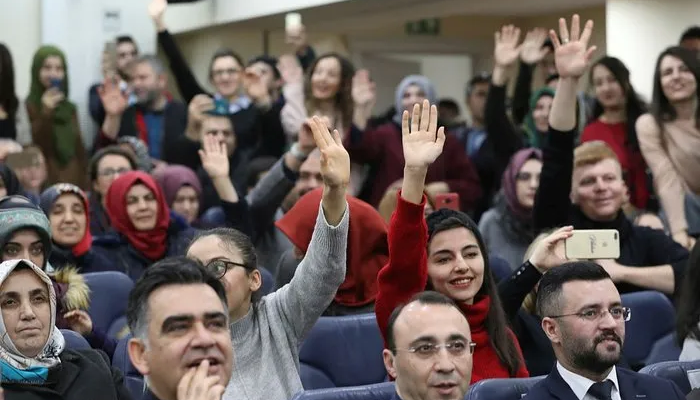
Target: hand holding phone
[56, 83]
[447, 200]
[593, 244]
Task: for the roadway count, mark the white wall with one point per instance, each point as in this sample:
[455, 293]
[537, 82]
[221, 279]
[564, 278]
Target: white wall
[638, 30]
[240, 10]
[20, 30]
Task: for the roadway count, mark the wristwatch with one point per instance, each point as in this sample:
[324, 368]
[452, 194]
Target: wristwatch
[296, 151]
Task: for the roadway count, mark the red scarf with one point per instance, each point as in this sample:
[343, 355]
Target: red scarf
[152, 244]
[367, 252]
[486, 361]
[84, 245]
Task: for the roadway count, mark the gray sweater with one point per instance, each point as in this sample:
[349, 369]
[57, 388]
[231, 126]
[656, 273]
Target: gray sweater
[266, 341]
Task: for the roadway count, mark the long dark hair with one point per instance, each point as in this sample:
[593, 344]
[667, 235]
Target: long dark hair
[343, 99]
[661, 108]
[688, 314]
[496, 321]
[8, 97]
[634, 106]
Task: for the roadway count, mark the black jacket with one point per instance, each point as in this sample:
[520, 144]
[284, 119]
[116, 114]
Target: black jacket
[82, 374]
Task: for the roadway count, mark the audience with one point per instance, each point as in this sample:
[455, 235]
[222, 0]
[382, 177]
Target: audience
[417, 333]
[182, 190]
[178, 316]
[33, 355]
[106, 165]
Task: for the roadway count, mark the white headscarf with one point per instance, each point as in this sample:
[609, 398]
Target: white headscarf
[48, 356]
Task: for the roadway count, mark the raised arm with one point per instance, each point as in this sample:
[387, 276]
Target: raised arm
[531, 53]
[185, 79]
[552, 202]
[407, 271]
[669, 185]
[323, 268]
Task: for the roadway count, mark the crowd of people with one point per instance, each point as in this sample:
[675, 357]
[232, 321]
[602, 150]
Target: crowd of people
[451, 232]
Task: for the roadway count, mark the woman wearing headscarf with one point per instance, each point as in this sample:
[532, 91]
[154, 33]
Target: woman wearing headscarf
[381, 148]
[507, 226]
[9, 183]
[40, 367]
[182, 190]
[54, 118]
[145, 230]
[367, 251]
[66, 206]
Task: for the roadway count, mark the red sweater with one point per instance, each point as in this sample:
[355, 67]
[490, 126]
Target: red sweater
[406, 274]
[382, 149]
[632, 162]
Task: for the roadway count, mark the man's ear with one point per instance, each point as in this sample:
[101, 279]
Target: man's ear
[551, 329]
[389, 363]
[137, 355]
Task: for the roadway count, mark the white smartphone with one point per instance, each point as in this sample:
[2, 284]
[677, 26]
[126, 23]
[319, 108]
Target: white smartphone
[593, 244]
[292, 22]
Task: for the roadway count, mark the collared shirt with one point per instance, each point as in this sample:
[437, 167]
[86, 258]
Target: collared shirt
[580, 384]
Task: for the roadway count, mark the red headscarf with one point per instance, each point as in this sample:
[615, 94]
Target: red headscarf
[152, 243]
[367, 253]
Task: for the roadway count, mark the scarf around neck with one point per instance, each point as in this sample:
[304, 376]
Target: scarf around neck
[16, 367]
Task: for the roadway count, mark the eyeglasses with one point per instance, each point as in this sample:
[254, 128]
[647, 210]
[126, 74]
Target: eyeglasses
[618, 313]
[218, 268]
[455, 348]
[113, 171]
[221, 72]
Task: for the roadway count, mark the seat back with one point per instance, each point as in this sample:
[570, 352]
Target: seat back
[676, 371]
[380, 391]
[268, 281]
[343, 351]
[74, 341]
[653, 317]
[109, 295]
[133, 380]
[502, 389]
[664, 349]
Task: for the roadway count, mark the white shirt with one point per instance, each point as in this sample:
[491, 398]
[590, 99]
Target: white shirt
[580, 384]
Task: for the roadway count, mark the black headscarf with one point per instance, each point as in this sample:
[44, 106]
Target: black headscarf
[9, 178]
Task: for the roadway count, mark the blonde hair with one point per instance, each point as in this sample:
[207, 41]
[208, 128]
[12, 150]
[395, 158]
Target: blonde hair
[530, 301]
[387, 205]
[593, 152]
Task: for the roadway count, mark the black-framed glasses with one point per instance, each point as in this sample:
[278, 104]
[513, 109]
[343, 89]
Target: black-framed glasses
[618, 313]
[455, 348]
[218, 268]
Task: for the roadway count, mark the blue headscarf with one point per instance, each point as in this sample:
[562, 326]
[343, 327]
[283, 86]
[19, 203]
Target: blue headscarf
[418, 80]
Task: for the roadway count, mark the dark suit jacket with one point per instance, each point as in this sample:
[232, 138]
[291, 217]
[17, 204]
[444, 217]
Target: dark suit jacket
[633, 386]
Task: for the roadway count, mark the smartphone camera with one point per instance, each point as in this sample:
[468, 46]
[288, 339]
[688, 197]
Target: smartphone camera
[57, 83]
[615, 235]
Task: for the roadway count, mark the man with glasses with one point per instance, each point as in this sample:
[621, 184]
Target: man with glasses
[584, 318]
[429, 350]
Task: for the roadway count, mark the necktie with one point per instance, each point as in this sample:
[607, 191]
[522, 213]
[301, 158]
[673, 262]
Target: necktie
[602, 390]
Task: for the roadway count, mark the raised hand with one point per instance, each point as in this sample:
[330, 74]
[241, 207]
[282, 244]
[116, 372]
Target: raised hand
[290, 69]
[199, 105]
[364, 93]
[550, 252]
[79, 321]
[214, 157]
[572, 55]
[156, 9]
[52, 98]
[113, 100]
[532, 50]
[335, 161]
[506, 49]
[422, 141]
[306, 139]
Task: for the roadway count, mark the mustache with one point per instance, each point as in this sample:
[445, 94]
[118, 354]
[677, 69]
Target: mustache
[608, 336]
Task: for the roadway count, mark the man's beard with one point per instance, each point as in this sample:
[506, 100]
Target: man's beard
[587, 358]
[149, 99]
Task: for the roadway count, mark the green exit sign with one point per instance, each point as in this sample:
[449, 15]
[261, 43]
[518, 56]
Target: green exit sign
[428, 27]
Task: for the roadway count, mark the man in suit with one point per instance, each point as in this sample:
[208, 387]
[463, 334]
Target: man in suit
[584, 318]
[429, 349]
[178, 315]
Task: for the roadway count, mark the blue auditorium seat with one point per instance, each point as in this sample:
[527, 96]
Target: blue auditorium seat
[501, 389]
[109, 295]
[380, 391]
[653, 317]
[341, 352]
[676, 371]
[133, 380]
[664, 349]
[74, 341]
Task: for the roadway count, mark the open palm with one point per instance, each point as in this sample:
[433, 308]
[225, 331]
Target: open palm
[214, 157]
[335, 161]
[506, 49]
[422, 141]
[572, 55]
